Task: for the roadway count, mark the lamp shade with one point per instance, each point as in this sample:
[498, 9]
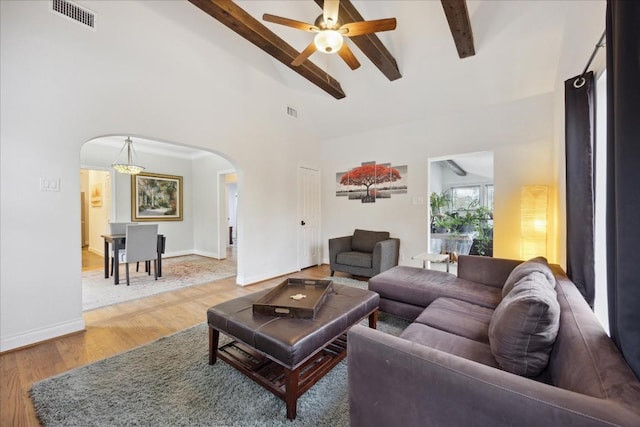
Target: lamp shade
[533, 221]
[328, 41]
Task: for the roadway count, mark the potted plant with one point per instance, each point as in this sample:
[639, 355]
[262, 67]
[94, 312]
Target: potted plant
[439, 202]
[444, 223]
[468, 222]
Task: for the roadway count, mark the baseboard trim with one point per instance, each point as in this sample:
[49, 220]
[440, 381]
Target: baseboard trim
[206, 254]
[246, 281]
[177, 253]
[35, 336]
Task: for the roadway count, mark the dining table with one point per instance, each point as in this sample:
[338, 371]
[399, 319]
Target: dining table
[117, 241]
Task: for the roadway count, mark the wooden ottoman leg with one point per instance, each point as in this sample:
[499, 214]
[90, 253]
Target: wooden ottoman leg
[373, 319]
[291, 391]
[214, 335]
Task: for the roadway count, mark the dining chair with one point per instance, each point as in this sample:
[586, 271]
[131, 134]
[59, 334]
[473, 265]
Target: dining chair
[162, 242]
[141, 245]
[117, 228]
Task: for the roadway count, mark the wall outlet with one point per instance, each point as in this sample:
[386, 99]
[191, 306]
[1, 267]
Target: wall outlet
[418, 201]
[49, 184]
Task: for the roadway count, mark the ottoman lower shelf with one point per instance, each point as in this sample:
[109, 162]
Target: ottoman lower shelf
[283, 382]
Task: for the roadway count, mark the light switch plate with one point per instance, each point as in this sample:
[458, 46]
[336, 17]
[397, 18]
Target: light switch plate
[49, 184]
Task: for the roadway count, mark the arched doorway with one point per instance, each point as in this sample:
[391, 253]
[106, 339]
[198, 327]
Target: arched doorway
[196, 233]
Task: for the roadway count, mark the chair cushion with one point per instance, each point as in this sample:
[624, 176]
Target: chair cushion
[538, 264]
[355, 259]
[524, 327]
[365, 241]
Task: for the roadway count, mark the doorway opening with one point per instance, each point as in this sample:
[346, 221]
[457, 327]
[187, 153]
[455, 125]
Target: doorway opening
[190, 252]
[461, 194]
[228, 214]
[95, 214]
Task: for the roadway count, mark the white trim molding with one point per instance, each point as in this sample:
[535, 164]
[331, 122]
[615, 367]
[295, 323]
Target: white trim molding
[34, 336]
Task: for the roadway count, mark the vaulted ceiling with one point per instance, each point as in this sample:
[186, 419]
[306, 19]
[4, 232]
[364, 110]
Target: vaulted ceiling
[254, 31]
[523, 49]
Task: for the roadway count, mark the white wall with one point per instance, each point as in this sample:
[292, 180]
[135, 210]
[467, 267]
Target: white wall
[436, 184]
[519, 134]
[63, 85]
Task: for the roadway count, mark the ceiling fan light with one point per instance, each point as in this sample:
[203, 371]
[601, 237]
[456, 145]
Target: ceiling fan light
[328, 41]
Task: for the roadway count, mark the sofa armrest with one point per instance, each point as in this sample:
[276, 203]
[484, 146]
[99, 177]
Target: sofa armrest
[393, 381]
[385, 255]
[337, 245]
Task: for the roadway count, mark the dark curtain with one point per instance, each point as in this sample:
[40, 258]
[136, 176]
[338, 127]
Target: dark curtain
[623, 177]
[579, 102]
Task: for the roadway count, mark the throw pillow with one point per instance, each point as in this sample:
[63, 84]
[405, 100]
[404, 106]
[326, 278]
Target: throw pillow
[538, 264]
[524, 327]
[365, 241]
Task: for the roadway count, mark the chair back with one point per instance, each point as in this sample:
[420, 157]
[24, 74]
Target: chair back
[119, 227]
[141, 243]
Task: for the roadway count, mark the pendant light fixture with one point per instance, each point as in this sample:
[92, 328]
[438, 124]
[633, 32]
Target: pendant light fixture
[129, 168]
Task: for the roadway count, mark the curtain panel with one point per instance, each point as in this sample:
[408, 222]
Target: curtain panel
[579, 101]
[623, 177]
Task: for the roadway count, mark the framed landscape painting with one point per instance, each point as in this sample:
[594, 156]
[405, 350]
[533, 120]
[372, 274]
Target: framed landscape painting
[156, 197]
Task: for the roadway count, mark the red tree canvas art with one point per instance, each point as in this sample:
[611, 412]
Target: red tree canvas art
[378, 180]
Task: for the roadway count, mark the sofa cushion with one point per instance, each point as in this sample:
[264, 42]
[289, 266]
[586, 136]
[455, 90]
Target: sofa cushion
[458, 317]
[365, 241]
[524, 327]
[534, 265]
[449, 343]
[355, 259]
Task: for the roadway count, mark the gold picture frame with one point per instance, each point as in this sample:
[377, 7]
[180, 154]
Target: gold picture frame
[156, 197]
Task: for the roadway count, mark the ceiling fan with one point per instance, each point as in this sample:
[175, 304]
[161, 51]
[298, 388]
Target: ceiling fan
[330, 32]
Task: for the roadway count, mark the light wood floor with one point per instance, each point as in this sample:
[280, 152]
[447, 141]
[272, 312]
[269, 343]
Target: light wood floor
[111, 330]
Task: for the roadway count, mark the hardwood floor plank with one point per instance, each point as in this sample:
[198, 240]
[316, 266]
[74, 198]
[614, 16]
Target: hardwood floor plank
[112, 330]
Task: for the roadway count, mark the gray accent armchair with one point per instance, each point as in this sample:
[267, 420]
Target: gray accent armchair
[365, 253]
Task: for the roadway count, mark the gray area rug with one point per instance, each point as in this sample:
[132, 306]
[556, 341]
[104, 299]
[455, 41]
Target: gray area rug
[177, 272]
[170, 383]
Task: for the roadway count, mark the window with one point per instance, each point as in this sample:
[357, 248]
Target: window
[600, 304]
[472, 197]
[463, 198]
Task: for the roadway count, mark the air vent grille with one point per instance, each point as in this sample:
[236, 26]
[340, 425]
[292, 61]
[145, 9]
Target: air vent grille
[74, 12]
[292, 112]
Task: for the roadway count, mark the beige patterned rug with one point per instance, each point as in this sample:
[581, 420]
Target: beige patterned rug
[177, 272]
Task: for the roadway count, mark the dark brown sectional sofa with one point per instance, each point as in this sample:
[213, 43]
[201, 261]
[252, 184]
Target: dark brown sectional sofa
[504, 343]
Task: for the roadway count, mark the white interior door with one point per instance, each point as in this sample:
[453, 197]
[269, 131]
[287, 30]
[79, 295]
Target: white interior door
[309, 217]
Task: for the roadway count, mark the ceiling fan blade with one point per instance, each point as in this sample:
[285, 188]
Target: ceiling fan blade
[348, 56]
[330, 10]
[368, 27]
[299, 25]
[309, 50]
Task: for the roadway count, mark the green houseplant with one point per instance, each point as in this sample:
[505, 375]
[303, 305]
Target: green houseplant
[439, 202]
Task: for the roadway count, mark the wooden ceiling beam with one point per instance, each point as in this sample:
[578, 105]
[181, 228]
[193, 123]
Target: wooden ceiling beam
[369, 44]
[238, 20]
[458, 17]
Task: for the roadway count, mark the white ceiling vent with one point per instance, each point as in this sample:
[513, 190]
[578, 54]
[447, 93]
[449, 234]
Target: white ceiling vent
[74, 12]
[292, 112]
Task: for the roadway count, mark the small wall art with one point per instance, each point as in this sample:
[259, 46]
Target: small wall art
[96, 195]
[371, 181]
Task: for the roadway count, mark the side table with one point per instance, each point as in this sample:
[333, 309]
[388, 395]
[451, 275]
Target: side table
[432, 258]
